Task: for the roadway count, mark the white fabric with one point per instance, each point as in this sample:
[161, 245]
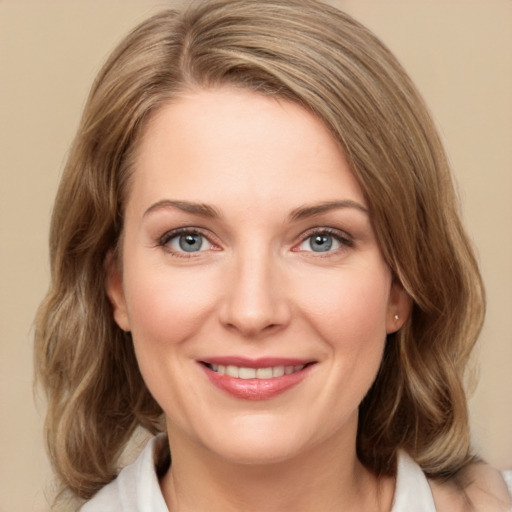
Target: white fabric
[507, 476]
[412, 491]
[136, 489]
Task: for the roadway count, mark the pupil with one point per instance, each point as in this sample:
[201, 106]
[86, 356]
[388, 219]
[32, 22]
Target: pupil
[190, 242]
[321, 243]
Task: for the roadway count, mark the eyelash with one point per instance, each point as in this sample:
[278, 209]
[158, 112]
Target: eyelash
[170, 235]
[343, 238]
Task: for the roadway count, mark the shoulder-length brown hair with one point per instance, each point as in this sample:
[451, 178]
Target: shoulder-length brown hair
[319, 57]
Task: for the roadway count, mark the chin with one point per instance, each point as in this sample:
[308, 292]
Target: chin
[258, 452]
[257, 443]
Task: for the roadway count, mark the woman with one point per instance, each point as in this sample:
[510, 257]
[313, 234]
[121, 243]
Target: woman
[256, 250]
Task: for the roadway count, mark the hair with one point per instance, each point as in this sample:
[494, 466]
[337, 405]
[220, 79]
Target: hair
[312, 54]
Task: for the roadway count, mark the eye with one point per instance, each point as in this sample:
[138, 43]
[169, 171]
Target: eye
[323, 241]
[186, 241]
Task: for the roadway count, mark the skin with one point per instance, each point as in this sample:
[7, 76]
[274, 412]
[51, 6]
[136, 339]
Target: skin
[256, 288]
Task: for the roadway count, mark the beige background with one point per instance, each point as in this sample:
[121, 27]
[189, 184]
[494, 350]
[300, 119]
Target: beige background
[458, 52]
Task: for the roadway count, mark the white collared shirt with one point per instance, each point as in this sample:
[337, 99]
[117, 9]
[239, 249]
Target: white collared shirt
[136, 489]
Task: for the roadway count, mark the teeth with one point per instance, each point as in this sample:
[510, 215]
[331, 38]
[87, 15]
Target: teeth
[264, 373]
[232, 371]
[241, 372]
[247, 373]
[278, 371]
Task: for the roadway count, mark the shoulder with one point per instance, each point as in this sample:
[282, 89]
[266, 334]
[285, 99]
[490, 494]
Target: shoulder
[479, 488]
[136, 489]
[107, 500]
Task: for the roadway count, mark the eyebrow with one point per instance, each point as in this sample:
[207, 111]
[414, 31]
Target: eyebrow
[186, 206]
[304, 212]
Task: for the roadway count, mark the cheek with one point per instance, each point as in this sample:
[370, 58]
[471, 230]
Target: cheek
[168, 310]
[348, 312]
[349, 305]
[167, 306]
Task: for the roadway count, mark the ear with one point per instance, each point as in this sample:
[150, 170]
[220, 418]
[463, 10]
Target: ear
[115, 292]
[399, 307]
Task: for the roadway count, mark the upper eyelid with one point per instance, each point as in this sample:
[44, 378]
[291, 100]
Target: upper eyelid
[165, 239]
[168, 235]
[163, 242]
[336, 232]
[345, 240]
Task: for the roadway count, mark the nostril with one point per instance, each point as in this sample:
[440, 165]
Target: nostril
[252, 312]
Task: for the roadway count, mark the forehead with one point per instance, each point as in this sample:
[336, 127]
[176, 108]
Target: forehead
[207, 144]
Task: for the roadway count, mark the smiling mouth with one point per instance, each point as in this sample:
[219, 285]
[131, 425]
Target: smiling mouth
[243, 372]
[255, 379]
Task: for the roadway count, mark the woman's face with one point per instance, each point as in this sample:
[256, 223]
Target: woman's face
[252, 282]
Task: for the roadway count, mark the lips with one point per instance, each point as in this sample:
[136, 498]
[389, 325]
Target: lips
[259, 379]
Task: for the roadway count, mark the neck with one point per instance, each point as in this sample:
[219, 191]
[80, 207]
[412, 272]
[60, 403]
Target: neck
[326, 478]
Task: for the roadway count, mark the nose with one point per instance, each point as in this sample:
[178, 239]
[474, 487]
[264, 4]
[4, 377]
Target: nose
[255, 302]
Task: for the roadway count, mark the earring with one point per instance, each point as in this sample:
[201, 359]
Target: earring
[397, 317]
